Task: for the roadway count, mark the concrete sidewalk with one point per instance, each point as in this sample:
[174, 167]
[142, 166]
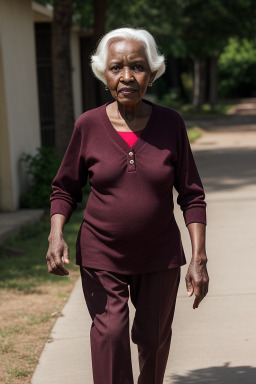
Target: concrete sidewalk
[217, 342]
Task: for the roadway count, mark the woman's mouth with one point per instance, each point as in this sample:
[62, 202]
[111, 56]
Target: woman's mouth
[127, 91]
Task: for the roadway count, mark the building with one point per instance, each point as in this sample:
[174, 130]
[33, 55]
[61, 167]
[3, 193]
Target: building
[26, 96]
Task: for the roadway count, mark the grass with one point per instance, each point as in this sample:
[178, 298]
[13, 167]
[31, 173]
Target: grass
[28, 271]
[30, 298]
[38, 319]
[6, 347]
[18, 372]
[188, 111]
[193, 134]
[4, 332]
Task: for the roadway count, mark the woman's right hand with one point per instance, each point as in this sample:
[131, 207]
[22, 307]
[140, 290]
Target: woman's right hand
[57, 255]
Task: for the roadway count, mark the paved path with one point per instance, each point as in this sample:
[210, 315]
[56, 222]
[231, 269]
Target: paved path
[216, 343]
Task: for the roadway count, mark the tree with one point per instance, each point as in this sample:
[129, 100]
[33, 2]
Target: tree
[62, 75]
[65, 13]
[207, 27]
[237, 69]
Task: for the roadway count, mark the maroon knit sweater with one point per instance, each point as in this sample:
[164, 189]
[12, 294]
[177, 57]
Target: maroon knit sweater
[129, 225]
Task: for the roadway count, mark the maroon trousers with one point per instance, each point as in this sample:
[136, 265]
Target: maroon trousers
[154, 296]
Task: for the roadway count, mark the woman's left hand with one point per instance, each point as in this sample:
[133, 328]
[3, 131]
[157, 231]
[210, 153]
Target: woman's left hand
[197, 279]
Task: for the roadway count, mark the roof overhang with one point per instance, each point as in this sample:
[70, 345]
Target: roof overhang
[41, 13]
[44, 14]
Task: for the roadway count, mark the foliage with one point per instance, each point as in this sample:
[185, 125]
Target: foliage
[83, 13]
[185, 29]
[160, 17]
[237, 69]
[208, 24]
[42, 167]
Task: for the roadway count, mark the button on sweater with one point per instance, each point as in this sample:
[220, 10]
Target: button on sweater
[128, 223]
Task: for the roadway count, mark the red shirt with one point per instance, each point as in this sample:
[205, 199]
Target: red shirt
[130, 137]
[129, 225]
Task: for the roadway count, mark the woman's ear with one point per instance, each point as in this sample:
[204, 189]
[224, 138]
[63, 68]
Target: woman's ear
[152, 77]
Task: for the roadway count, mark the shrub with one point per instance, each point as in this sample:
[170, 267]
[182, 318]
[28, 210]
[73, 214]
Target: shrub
[237, 69]
[42, 167]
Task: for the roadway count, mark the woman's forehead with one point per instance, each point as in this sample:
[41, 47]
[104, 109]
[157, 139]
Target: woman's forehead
[126, 47]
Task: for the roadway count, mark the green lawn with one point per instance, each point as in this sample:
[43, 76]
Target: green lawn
[190, 112]
[26, 270]
[193, 134]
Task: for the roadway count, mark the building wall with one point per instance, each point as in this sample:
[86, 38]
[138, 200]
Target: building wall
[5, 164]
[19, 122]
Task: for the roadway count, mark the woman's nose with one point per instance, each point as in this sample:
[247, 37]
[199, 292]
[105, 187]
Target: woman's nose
[127, 75]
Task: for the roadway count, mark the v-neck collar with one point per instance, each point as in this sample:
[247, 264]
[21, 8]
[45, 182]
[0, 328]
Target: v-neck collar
[118, 138]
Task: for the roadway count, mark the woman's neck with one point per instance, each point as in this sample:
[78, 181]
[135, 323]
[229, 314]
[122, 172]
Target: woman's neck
[132, 111]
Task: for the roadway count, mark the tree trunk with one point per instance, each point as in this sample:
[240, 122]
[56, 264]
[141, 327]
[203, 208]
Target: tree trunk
[199, 96]
[88, 79]
[100, 9]
[213, 93]
[62, 75]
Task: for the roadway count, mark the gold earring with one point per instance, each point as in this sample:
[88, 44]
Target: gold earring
[150, 84]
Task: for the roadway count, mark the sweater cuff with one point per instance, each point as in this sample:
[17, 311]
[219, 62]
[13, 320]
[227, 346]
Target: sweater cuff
[61, 207]
[195, 215]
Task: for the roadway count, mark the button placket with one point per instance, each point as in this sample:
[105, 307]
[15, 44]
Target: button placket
[131, 162]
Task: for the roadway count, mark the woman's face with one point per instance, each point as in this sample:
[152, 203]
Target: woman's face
[127, 71]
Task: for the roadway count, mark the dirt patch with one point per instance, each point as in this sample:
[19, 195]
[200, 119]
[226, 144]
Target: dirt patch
[26, 321]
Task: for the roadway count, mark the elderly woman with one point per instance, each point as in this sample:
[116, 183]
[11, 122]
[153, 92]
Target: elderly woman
[134, 152]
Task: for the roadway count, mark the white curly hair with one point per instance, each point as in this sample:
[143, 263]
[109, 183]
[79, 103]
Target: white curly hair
[99, 58]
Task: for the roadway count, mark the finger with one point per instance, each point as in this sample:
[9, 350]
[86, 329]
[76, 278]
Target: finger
[50, 263]
[53, 271]
[55, 262]
[190, 288]
[59, 265]
[66, 255]
[198, 296]
[196, 302]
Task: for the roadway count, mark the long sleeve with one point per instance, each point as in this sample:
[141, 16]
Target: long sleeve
[70, 178]
[187, 181]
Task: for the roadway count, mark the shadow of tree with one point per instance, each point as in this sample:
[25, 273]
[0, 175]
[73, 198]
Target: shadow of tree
[226, 168]
[230, 123]
[217, 375]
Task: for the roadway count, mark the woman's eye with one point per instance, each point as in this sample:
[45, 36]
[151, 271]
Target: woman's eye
[115, 68]
[138, 67]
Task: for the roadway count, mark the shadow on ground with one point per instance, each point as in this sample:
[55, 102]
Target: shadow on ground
[226, 168]
[230, 123]
[217, 375]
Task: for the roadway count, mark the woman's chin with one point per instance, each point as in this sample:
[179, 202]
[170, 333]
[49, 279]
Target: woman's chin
[129, 98]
